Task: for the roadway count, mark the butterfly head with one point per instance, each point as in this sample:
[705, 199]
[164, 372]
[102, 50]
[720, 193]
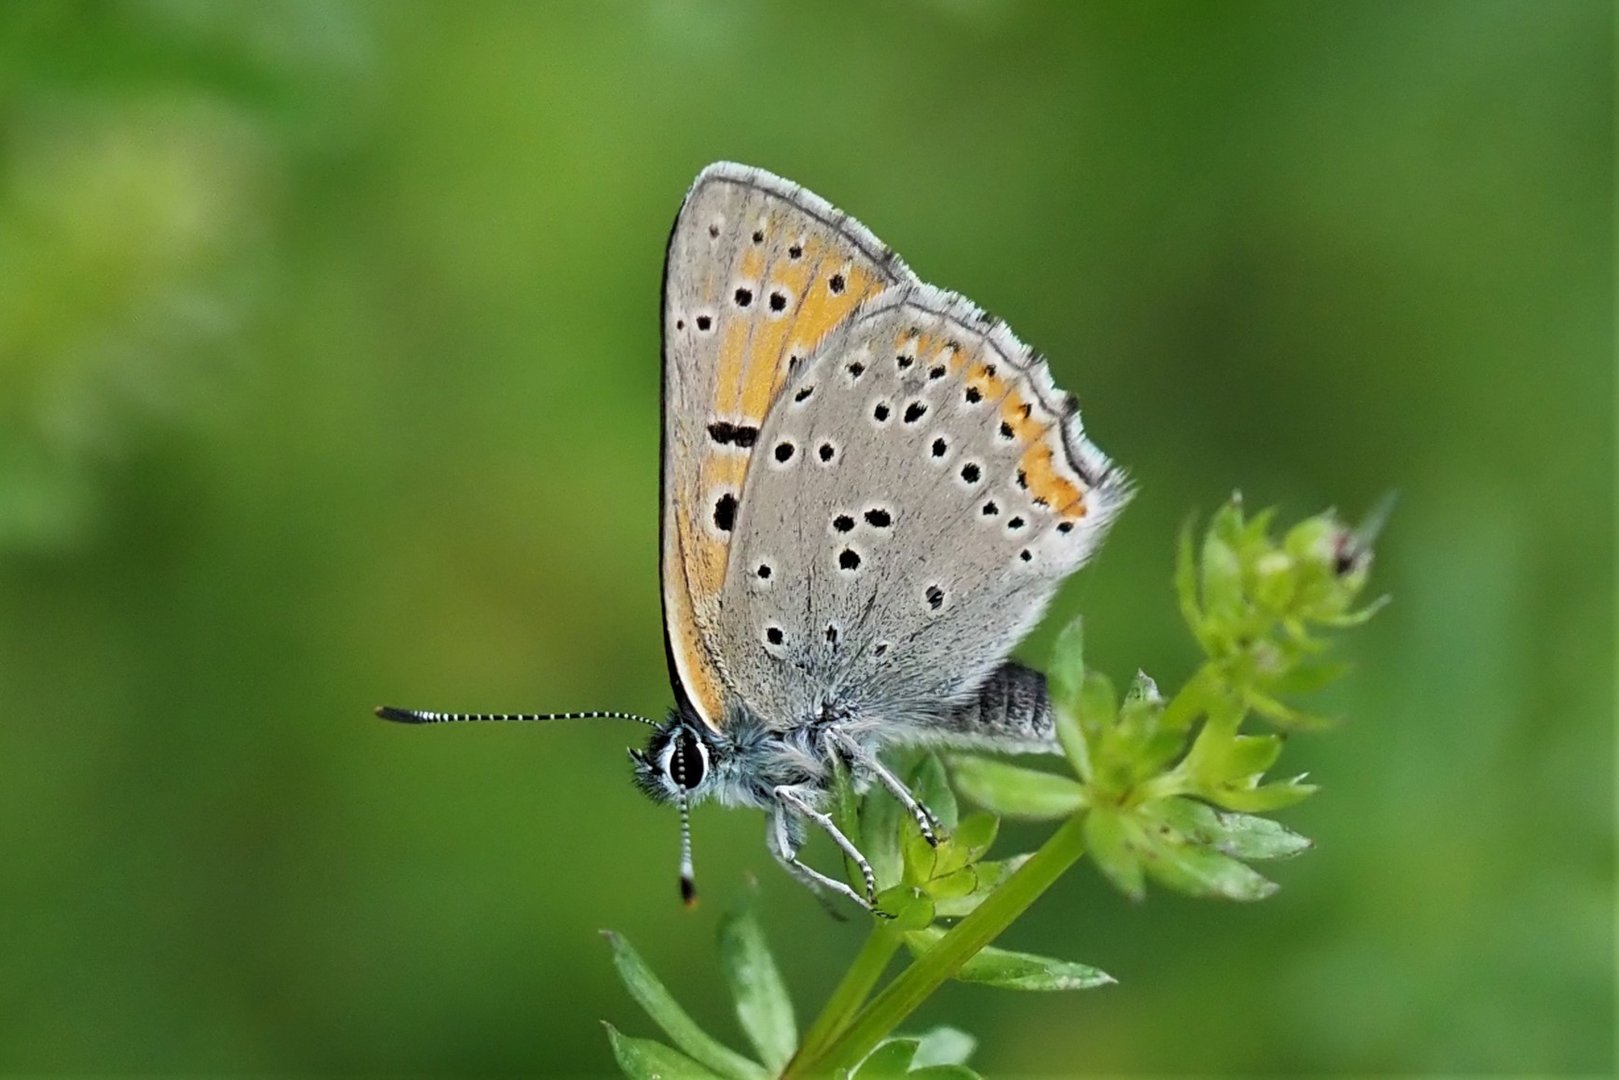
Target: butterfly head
[678, 762]
[678, 766]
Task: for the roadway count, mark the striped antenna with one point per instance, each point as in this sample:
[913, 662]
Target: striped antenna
[688, 882]
[418, 716]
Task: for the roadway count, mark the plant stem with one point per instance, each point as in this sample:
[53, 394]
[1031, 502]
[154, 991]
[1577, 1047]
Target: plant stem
[868, 966]
[930, 971]
[1192, 699]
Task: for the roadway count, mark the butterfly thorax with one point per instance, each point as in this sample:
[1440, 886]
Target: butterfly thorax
[744, 764]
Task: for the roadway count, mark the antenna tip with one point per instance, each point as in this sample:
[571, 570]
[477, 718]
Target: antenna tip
[688, 891]
[398, 716]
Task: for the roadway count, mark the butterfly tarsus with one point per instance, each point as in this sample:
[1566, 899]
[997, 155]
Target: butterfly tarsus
[841, 742]
[791, 801]
[785, 850]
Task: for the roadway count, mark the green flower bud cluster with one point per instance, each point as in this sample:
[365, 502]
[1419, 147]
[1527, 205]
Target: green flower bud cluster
[1170, 790]
[1255, 603]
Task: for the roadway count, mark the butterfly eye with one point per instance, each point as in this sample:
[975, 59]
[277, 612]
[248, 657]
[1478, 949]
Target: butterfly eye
[688, 761]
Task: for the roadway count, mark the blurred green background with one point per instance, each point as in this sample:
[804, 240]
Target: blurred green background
[328, 376]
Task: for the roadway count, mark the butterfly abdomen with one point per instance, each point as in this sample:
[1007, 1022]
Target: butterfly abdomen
[1010, 713]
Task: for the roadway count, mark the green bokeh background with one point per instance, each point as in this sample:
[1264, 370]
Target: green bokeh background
[328, 376]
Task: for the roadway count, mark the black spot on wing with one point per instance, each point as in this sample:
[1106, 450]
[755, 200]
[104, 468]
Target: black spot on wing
[725, 512]
[726, 433]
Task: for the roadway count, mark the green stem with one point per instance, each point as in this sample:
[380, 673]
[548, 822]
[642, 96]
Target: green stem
[868, 966]
[933, 968]
[1193, 699]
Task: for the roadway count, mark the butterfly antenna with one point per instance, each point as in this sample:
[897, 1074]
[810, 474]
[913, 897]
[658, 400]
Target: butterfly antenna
[688, 882]
[419, 716]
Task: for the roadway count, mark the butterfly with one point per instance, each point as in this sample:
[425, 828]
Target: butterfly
[870, 492]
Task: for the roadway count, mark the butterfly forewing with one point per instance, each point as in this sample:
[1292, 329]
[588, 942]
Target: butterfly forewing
[921, 487]
[758, 272]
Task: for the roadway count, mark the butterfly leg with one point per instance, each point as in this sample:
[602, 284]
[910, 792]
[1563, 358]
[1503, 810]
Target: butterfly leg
[851, 750]
[789, 800]
[783, 844]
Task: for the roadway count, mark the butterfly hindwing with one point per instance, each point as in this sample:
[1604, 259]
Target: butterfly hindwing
[921, 489]
[758, 273]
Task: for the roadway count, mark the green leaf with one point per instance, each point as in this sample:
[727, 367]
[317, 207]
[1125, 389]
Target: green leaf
[1072, 737]
[879, 835]
[1352, 619]
[661, 1006]
[1140, 745]
[1220, 759]
[1098, 704]
[1250, 755]
[908, 906]
[1313, 539]
[1014, 970]
[974, 836]
[1307, 675]
[762, 1005]
[920, 857]
[954, 885]
[903, 1057]
[845, 812]
[1109, 844]
[1024, 971]
[943, 1045]
[1255, 536]
[1143, 697]
[845, 803]
[1262, 799]
[1242, 836]
[1186, 581]
[1157, 750]
[1016, 792]
[1067, 667]
[1197, 822]
[1283, 715]
[1197, 871]
[911, 1058]
[933, 867]
[989, 876]
[890, 1060]
[643, 1059]
[1245, 836]
[1222, 568]
[931, 787]
[1275, 582]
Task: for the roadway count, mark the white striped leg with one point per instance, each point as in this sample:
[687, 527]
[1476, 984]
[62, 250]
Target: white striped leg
[858, 755]
[785, 850]
[795, 802]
